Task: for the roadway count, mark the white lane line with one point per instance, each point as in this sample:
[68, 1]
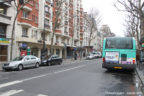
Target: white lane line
[69, 69]
[11, 92]
[34, 77]
[9, 83]
[20, 81]
[41, 95]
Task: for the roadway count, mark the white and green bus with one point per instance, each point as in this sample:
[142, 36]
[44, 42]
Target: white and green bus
[119, 53]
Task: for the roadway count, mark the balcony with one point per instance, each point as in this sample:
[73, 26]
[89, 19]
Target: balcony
[49, 1]
[47, 14]
[81, 38]
[5, 19]
[27, 8]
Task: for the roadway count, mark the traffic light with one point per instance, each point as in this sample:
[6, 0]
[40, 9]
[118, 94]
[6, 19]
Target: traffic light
[21, 2]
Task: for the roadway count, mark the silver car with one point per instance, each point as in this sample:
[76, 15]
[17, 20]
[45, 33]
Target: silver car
[22, 62]
[90, 56]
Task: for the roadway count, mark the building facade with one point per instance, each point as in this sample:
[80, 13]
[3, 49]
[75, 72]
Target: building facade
[34, 27]
[5, 27]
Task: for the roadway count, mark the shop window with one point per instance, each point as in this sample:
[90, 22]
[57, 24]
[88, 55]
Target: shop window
[2, 31]
[58, 52]
[3, 53]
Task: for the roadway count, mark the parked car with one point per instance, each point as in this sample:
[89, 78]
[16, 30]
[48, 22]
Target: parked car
[97, 54]
[22, 62]
[52, 60]
[90, 56]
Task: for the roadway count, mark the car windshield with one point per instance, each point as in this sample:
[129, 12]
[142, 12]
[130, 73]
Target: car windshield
[47, 57]
[18, 58]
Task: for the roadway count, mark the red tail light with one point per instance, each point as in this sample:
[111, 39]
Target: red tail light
[133, 61]
[103, 59]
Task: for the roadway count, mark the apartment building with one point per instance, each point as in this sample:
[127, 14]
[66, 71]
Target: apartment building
[34, 22]
[27, 31]
[5, 27]
[105, 32]
[96, 44]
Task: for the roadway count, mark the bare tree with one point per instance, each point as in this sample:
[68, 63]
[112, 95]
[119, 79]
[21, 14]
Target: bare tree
[93, 20]
[57, 18]
[135, 9]
[132, 28]
[18, 7]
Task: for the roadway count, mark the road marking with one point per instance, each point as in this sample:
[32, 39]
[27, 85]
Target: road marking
[35, 77]
[11, 92]
[69, 69]
[20, 81]
[41, 95]
[9, 83]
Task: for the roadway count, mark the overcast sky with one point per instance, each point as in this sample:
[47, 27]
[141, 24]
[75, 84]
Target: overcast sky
[110, 15]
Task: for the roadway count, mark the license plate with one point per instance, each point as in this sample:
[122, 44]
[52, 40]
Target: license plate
[118, 67]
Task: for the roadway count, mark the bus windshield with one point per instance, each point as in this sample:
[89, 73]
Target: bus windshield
[119, 43]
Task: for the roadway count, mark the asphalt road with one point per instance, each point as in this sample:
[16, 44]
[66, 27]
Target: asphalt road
[86, 78]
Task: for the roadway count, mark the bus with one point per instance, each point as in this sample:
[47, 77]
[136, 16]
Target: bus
[119, 53]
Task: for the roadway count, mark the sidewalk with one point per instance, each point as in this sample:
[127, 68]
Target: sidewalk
[71, 60]
[140, 72]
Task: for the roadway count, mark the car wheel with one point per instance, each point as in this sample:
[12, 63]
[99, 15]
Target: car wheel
[37, 65]
[20, 67]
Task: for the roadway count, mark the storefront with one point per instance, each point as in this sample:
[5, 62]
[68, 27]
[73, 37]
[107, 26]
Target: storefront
[4, 47]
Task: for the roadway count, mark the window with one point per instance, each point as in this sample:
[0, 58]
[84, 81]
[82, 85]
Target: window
[36, 5]
[119, 43]
[36, 19]
[35, 34]
[25, 14]
[47, 9]
[2, 10]
[3, 53]
[33, 17]
[2, 31]
[47, 23]
[31, 2]
[24, 32]
[33, 57]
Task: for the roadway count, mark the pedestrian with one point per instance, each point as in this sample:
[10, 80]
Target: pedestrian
[75, 56]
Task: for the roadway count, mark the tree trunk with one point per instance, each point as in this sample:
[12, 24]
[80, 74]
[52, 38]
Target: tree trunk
[12, 36]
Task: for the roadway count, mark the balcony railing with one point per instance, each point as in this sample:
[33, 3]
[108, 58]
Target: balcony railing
[66, 33]
[47, 26]
[48, 1]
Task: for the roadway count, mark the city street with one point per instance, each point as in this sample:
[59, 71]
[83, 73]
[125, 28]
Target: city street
[86, 78]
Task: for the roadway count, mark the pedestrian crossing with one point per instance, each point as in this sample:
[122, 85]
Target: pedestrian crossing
[20, 92]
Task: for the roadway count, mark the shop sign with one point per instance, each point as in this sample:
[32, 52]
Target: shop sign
[142, 44]
[3, 40]
[28, 51]
[23, 52]
[75, 49]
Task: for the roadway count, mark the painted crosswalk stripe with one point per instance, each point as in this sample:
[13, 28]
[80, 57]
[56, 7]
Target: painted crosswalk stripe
[11, 92]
